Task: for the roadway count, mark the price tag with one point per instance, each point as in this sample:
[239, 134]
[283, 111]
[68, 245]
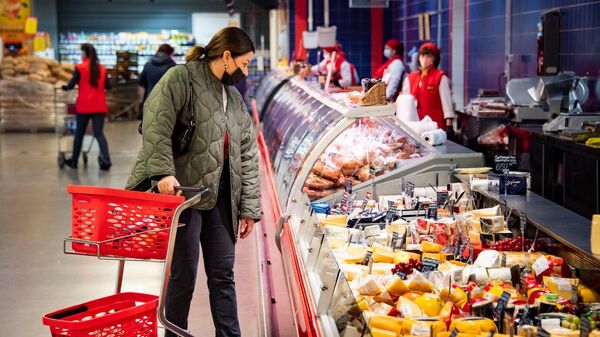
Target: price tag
[502, 303]
[391, 214]
[401, 275]
[585, 327]
[502, 163]
[366, 200]
[394, 241]
[550, 323]
[367, 259]
[348, 186]
[515, 276]
[454, 332]
[410, 189]
[421, 330]
[432, 211]
[403, 240]
[39, 43]
[429, 265]
[542, 333]
[442, 197]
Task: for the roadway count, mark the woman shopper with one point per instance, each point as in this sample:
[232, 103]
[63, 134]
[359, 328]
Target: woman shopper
[431, 89]
[392, 71]
[222, 156]
[91, 78]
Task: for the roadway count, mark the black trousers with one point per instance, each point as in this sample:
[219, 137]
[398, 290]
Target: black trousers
[212, 231]
[98, 129]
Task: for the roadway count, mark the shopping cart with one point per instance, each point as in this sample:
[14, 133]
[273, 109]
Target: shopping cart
[66, 125]
[120, 225]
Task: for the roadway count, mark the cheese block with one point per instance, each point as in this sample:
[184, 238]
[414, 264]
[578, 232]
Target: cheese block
[404, 257]
[408, 308]
[595, 235]
[384, 297]
[473, 325]
[383, 255]
[396, 286]
[493, 224]
[375, 332]
[382, 268]
[430, 247]
[368, 286]
[439, 257]
[419, 326]
[364, 305]
[352, 271]
[387, 323]
[335, 242]
[383, 309]
[481, 276]
[354, 254]
[499, 274]
[475, 225]
[335, 220]
[479, 213]
[420, 284]
[488, 259]
[475, 238]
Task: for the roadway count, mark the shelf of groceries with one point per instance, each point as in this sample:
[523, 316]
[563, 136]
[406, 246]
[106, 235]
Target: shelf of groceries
[383, 234]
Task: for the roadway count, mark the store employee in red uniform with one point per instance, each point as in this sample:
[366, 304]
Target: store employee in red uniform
[343, 74]
[431, 89]
[392, 71]
[92, 81]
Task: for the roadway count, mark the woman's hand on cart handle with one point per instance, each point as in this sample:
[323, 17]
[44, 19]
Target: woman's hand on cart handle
[167, 186]
[246, 226]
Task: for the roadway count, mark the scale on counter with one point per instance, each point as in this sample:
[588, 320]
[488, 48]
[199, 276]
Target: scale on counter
[543, 98]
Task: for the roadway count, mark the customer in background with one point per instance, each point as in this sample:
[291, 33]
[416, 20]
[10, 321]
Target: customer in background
[92, 82]
[343, 73]
[153, 70]
[392, 71]
[222, 156]
[431, 89]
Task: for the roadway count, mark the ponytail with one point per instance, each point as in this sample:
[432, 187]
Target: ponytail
[195, 54]
[90, 52]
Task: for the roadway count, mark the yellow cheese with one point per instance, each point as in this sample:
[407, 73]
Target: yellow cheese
[352, 271]
[375, 332]
[475, 225]
[439, 257]
[561, 286]
[479, 213]
[382, 268]
[335, 243]
[473, 325]
[475, 238]
[396, 286]
[408, 308]
[354, 254]
[368, 286]
[364, 305]
[384, 297]
[335, 220]
[382, 308]
[411, 326]
[386, 256]
[387, 323]
[404, 257]
[595, 236]
[430, 247]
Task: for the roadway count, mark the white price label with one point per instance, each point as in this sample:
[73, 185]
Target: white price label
[540, 265]
[421, 330]
[563, 284]
[550, 324]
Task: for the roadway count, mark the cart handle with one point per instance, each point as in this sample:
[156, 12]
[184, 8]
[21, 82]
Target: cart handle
[202, 193]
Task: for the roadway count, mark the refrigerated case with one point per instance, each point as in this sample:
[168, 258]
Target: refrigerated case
[305, 131]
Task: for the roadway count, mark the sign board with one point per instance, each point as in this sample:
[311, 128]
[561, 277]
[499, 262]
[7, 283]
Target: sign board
[502, 163]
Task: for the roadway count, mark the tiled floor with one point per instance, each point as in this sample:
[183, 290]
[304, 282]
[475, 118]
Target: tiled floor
[37, 278]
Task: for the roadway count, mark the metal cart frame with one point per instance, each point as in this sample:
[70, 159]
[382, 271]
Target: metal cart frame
[202, 193]
[60, 126]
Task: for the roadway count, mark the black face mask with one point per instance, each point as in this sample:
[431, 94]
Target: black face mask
[234, 78]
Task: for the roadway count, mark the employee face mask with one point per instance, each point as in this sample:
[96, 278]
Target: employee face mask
[235, 78]
[387, 53]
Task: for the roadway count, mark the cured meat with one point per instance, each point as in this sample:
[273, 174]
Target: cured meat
[326, 171]
[364, 173]
[318, 183]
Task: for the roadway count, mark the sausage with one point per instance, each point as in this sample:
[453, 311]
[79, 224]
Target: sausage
[318, 183]
[364, 173]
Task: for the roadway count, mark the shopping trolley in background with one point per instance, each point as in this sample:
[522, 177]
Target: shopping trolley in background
[120, 225]
[66, 125]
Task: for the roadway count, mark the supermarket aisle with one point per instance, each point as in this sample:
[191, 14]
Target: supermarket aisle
[37, 278]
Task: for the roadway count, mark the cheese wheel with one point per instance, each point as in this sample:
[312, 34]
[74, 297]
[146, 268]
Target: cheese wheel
[473, 325]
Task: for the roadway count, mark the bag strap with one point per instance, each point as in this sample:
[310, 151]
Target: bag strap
[190, 100]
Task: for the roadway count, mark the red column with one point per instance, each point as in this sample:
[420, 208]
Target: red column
[376, 38]
[300, 25]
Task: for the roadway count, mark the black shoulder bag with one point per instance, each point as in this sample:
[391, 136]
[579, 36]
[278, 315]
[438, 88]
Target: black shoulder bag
[181, 138]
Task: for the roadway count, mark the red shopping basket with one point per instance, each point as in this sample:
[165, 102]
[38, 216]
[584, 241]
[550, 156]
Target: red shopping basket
[124, 314]
[120, 223]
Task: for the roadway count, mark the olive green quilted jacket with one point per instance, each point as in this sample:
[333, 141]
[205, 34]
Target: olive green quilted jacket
[203, 163]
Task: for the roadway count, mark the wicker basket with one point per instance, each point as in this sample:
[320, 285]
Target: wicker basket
[375, 95]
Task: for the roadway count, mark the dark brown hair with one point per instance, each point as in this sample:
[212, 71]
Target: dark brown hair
[90, 52]
[231, 38]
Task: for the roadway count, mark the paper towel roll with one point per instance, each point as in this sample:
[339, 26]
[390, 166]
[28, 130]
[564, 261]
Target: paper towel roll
[406, 108]
[435, 137]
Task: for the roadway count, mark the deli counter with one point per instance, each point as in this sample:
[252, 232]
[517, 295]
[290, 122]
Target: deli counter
[304, 131]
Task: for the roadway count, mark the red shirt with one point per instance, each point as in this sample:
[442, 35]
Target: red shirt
[426, 90]
[91, 99]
